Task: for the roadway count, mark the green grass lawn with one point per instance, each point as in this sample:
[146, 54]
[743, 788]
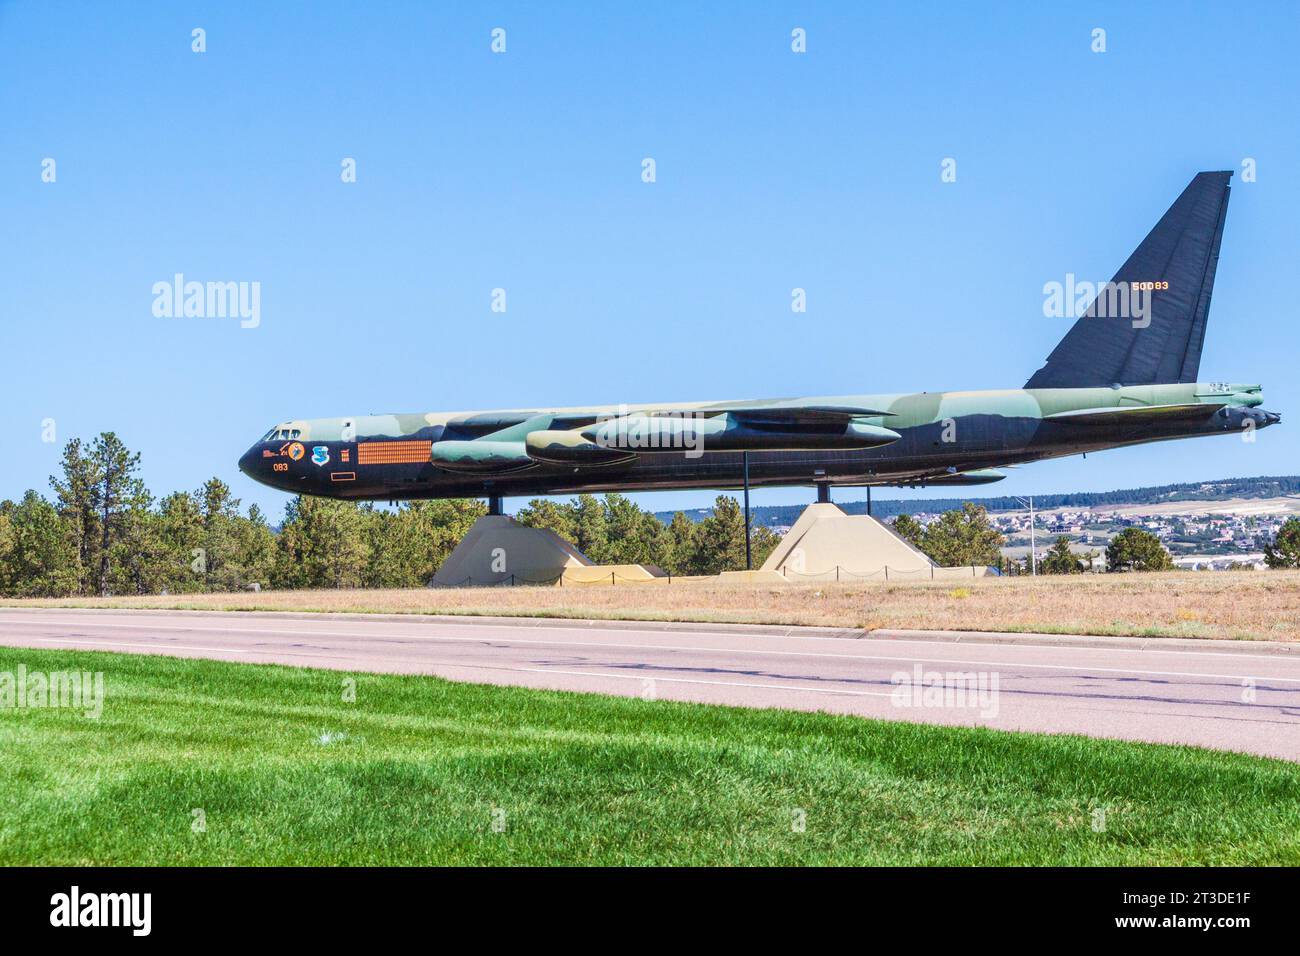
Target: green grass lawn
[418, 771]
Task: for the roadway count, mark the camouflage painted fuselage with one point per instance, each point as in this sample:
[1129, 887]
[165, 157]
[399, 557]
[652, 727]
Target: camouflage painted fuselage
[942, 438]
[1149, 348]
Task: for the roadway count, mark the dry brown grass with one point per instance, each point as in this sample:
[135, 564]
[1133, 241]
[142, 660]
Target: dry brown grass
[1246, 605]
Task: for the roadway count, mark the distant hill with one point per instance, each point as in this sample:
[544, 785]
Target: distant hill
[1263, 487]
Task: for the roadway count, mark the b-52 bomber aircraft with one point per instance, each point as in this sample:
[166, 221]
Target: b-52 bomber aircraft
[1125, 373]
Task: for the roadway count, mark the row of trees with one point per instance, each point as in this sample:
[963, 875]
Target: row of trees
[104, 533]
[1133, 549]
[617, 531]
[956, 538]
[966, 536]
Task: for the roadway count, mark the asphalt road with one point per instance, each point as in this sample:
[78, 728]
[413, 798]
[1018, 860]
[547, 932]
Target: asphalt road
[1209, 697]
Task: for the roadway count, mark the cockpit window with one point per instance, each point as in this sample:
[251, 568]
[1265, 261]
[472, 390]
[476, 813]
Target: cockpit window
[282, 434]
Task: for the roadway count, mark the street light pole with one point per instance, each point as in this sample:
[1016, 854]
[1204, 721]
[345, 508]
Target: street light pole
[1033, 549]
[749, 554]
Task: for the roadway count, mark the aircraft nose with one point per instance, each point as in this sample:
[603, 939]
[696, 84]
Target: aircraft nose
[247, 461]
[1272, 418]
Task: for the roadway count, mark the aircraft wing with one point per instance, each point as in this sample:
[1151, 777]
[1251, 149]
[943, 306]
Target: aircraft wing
[503, 442]
[1136, 414]
[792, 415]
[493, 424]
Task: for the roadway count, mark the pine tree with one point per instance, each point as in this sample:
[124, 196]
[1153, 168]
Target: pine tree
[322, 544]
[908, 528]
[1284, 551]
[763, 541]
[256, 545]
[118, 496]
[1135, 549]
[720, 539]
[962, 538]
[1060, 559]
[592, 534]
[75, 502]
[441, 524]
[627, 534]
[550, 516]
[657, 542]
[10, 578]
[681, 531]
[390, 546]
[37, 558]
[140, 563]
[221, 569]
[180, 538]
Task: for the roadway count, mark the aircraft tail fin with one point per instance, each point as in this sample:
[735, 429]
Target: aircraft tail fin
[1172, 272]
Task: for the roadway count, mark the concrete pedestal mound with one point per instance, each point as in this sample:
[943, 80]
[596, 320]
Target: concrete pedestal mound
[826, 544]
[500, 550]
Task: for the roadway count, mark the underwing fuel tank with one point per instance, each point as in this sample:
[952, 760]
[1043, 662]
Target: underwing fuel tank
[978, 476]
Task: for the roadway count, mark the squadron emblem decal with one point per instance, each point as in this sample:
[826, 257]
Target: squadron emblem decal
[295, 451]
[320, 455]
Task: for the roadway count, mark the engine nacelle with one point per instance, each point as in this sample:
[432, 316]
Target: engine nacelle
[572, 448]
[480, 456]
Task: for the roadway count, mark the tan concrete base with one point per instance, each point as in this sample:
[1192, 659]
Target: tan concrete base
[827, 545]
[499, 550]
[613, 574]
[757, 576]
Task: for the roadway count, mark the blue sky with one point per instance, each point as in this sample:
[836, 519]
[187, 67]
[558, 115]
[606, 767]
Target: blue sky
[522, 171]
